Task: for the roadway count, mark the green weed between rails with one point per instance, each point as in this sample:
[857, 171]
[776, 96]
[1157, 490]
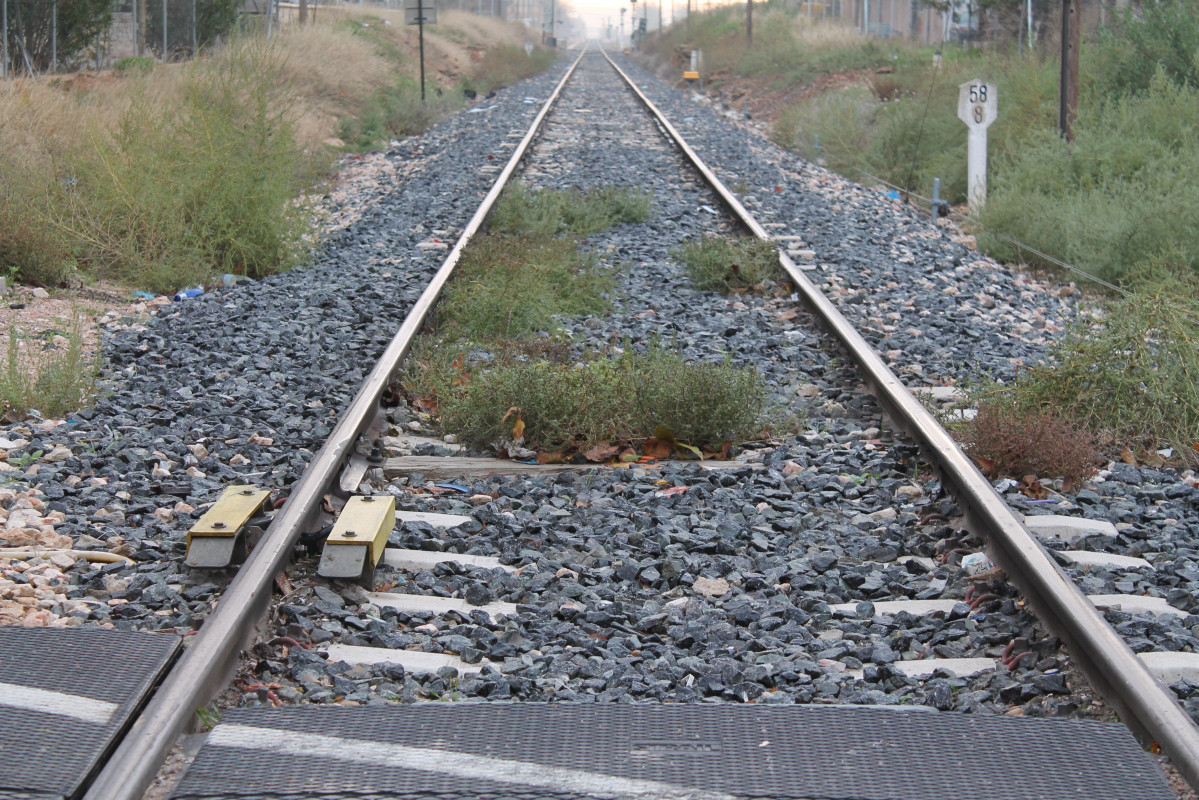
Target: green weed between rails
[514, 281]
[507, 287]
[1129, 376]
[205, 186]
[725, 263]
[569, 406]
[52, 380]
[494, 362]
[542, 212]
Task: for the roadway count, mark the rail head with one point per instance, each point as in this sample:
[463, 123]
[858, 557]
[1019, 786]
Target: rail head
[1145, 705]
[212, 655]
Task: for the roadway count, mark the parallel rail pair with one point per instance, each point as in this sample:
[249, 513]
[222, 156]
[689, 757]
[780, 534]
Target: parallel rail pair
[1144, 704]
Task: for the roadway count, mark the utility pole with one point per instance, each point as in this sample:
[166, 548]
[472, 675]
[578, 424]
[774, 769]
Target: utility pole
[749, 22]
[4, 33]
[1068, 95]
[420, 16]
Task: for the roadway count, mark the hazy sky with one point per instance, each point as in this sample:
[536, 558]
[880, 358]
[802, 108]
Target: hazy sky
[597, 13]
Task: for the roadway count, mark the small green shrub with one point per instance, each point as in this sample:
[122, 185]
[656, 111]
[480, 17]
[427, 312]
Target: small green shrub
[29, 244]
[722, 263]
[508, 286]
[37, 375]
[134, 65]
[544, 212]
[397, 111]
[1130, 375]
[568, 406]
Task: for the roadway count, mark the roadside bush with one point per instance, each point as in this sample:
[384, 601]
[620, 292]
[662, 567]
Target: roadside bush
[505, 64]
[726, 263]
[1131, 374]
[1147, 38]
[830, 129]
[1124, 191]
[394, 112]
[199, 186]
[30, 246]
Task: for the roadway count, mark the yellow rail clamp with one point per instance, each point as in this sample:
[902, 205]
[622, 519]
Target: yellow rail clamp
[357, 541]
[218, 538]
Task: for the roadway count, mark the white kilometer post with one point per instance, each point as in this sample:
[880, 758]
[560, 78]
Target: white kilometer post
[978, 105]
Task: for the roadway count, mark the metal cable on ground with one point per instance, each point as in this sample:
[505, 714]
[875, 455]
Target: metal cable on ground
[1014, 242]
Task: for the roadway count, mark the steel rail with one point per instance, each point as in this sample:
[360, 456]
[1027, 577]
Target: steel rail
[1145, 705]
[205, 665]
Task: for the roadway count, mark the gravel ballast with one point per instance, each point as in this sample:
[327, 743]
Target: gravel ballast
[666, 583]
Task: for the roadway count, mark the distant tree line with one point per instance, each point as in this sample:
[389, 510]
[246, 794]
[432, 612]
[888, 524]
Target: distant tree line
[33, 25]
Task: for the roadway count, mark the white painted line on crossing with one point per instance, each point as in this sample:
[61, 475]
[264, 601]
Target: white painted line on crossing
[83, 708]
[449, 762]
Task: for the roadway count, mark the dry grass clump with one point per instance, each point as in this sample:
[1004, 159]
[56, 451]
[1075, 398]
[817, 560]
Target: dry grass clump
[328, 89]
[1005, 440]
[1129, 376]
[825, 34]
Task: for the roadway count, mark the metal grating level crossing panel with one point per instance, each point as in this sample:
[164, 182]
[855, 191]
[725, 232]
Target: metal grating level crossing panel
[664, 752]
[66, 694]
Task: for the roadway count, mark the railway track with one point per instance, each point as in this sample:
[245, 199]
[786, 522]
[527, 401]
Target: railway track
[534, 569]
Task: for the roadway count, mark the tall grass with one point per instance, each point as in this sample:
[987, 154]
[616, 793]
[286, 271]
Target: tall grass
[1130, 375]
[168, 175]
[199, 185]
[1123, 192]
